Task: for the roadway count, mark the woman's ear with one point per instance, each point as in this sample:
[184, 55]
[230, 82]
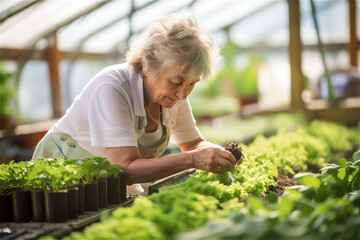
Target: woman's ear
[144, 70]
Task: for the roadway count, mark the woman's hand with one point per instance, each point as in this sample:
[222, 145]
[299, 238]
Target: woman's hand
[212, 158]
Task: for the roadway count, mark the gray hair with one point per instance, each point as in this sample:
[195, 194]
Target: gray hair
[175, 40]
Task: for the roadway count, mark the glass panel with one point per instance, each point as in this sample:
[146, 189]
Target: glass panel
[10, 5]
[109, 39]
[332, 18]
[70, 36]
[231, 12]
[143, 17]
[34, 92]
[24, 29]
[81, 73]
[259, 29]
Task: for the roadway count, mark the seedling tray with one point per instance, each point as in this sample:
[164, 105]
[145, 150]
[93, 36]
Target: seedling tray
[34, 230]
[170, 180]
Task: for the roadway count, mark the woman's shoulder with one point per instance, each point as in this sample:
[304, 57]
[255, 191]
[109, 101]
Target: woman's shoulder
[116, 69]
[114, 74]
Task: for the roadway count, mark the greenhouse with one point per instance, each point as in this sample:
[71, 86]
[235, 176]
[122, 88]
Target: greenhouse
[192, 119]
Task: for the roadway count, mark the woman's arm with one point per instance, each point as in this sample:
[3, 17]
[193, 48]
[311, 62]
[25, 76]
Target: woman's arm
[140, 170]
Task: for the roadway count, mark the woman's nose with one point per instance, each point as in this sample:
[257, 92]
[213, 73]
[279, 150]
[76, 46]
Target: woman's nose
[182, 92]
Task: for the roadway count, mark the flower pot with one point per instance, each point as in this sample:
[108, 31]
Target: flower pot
[38, 205]
[21, 201]
[113, 187]
[72, 202]
[5, 122]
[91, 197]
[5, 208]
[122, 187]
[244, 101]
[102, 193]
[81, 198]
[56, 206]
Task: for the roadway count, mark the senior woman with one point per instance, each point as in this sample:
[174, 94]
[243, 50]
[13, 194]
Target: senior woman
[128, 112]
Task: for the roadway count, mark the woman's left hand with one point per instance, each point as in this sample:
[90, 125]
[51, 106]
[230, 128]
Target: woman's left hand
[212, 159]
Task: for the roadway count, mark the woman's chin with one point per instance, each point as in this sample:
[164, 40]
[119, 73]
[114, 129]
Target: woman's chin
[168, 104]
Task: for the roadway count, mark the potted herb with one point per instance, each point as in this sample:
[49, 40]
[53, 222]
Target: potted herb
[111, 176]
[36, 179]
[7, 91]
[243, 82]
[58, 182]
[115, 182]
[21, 195]
[5, 194]
[101, 177]
[90, 169]
[81, 183]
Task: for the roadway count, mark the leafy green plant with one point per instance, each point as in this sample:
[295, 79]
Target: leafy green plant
[316, 208]
[7, 91]
[6, 184]
[337, 136]
[243, 81]
[47, 177]
[301, 213]
[18, 172]
[95, 168]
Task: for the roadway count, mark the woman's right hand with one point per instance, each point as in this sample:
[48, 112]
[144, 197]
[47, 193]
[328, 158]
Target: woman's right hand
[212, 159]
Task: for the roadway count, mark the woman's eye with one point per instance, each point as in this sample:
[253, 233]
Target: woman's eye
[177, 83]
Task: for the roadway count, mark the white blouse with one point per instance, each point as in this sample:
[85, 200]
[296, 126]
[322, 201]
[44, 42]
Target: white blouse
[109, 112]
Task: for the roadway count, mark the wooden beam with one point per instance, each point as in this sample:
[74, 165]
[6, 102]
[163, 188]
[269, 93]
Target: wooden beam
[295, 50]
[353, 44]
[38, 54]
[53, 60]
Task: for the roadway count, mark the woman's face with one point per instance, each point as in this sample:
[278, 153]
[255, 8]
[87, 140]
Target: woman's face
[169, 87]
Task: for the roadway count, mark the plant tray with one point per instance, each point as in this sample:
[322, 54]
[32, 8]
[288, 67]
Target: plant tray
[34, 230]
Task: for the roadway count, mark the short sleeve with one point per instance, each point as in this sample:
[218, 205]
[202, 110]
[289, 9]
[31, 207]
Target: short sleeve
[183, 124]
[111, 119]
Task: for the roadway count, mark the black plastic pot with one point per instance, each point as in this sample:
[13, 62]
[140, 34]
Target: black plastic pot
[56, 206]
[38, 205]
[113, 187]
[122, 187]
[5, 208]
[81, 198]
[21, 202]
[102, 193]
[72, 202]
[91, 197]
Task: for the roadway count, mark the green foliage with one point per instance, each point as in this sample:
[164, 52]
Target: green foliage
[245, 81]
[18, 173]
[47, 177]
[212, 87]
[337, 136]
[54, 174]
[203, 106]
[297, 214]
[289, 150]
[356, 155]
[95, 168]
[238, 130]
[325, 205]
[7, 91]
[5, 179]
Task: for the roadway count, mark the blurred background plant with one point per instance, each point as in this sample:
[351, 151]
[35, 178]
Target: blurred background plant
[7, 94]
[231, 88]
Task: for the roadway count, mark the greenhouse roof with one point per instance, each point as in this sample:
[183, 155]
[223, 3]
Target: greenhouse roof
[104, 26]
